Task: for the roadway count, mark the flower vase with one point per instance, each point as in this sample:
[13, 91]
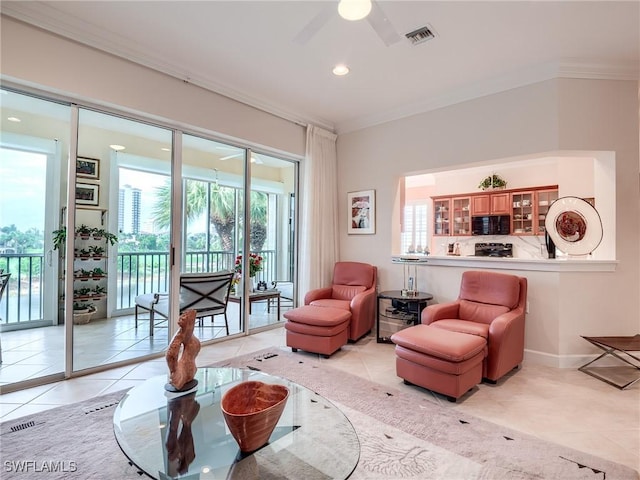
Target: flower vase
[239, 288]
[253, 284]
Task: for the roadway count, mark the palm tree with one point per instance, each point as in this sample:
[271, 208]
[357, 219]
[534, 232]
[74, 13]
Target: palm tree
[222, 213]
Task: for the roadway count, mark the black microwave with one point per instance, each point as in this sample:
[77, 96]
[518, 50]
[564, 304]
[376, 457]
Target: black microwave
[491, 225]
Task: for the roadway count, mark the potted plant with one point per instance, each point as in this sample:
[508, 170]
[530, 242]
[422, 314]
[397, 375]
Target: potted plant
[97, 273]
[493, 181]
[82, 313]
[100, 233]
[82, 274]
[83, 253]
[99, 291]
[84, 231]
[59, 237]
[82, 293]
[96, 251]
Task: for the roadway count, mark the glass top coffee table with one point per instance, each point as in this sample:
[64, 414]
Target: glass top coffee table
[171, 437]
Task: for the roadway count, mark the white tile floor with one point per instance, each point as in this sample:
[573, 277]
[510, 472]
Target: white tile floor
[32, 353]
[560, 405]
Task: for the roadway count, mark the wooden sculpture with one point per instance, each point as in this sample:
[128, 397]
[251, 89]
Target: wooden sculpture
[181, 355]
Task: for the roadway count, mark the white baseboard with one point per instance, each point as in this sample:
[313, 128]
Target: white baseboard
[566, 361]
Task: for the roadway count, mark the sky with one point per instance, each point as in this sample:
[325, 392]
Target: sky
[22, 189]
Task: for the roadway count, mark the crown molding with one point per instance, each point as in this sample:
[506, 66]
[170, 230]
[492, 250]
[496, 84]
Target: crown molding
[43, 16]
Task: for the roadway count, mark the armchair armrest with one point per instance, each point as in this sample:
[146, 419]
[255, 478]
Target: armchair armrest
[363, 305]
[506, 343]
[317, 294]
[439, 311]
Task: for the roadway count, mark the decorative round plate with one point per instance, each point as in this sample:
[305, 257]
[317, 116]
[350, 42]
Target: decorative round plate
[574, 225]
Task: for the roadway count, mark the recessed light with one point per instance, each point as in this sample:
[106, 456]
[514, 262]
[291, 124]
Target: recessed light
[340, 70]
[14, 119]
[165, 149]
[116, 147]
[354, 9]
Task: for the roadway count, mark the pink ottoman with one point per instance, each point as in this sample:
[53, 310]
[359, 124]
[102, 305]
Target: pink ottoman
[320, 330]
[446, 362]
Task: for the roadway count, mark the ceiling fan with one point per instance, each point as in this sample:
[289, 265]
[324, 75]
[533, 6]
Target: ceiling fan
[375, 16]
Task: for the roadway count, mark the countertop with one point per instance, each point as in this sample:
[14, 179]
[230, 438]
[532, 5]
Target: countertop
[561, 264]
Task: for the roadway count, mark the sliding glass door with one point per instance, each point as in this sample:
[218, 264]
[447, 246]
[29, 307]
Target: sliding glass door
[213, 180]
[101, 216]
[121, 240]
[271, 226]
[33, 150]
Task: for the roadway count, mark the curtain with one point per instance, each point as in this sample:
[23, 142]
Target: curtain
[318, 212]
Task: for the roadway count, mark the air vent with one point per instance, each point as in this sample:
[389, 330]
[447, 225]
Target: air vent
[420, 35]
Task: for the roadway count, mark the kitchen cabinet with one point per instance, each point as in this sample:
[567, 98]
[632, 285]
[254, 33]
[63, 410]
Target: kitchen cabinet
[441, 216]
[526, 207]
[491, 204]
[544, 199]
[461, 214]
[522, 213]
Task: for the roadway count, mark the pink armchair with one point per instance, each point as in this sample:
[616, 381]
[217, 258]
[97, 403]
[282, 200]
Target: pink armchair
[353, 289]
[490, 305]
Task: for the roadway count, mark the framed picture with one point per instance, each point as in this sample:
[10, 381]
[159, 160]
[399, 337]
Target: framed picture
[362, 212]
[88, 167]
[87, 194]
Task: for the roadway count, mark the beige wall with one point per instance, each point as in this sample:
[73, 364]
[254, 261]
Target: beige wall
[549, 116]
[34, 57]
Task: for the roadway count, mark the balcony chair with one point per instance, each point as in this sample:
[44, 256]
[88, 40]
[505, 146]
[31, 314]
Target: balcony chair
[206, 293]
[490, 305]
[353, 289]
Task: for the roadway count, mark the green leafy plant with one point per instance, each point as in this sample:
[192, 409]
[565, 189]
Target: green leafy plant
[82, 292]
[98, 290]
[83, 307]
[492, 181]
[59, 237]
[98, 272]
[102, 233]
[84, 230]
[96, 250]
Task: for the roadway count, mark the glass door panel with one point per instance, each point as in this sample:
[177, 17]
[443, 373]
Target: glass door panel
[213, 186]
[272, 238]
[33, 151]
[123, 178]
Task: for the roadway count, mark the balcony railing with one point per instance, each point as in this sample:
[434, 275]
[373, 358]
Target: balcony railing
[137, 273]
[23, 297]
[148, 272]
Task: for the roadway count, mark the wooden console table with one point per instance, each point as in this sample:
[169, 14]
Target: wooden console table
[258, 296]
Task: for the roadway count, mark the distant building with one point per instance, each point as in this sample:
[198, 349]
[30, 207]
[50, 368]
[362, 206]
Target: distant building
[129, 210]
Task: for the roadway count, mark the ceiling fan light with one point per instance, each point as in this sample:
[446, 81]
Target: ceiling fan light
[354, 9]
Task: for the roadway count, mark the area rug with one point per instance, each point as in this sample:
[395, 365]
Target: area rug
[402, 435]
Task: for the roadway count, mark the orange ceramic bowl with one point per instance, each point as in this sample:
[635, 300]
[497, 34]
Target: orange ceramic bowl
[252, 410]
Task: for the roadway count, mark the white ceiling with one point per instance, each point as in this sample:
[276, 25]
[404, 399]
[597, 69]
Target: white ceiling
[246, 49]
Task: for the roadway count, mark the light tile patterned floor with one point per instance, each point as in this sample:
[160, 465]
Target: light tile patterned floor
[560, 405]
